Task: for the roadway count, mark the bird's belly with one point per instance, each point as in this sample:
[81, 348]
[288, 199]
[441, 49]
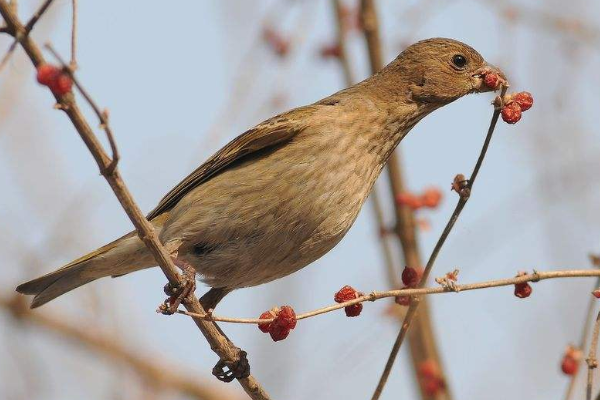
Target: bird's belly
[272, 216]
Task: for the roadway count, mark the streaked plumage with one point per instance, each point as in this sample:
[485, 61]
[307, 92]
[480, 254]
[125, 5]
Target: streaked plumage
[285, 192]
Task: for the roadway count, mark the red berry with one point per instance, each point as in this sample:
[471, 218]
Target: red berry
[353, 310]
[330, 51]
[432, 387]
[410, 277]
[570, 361]
[286, 317]
[284, 322]
[346, 293]
[569, 365]
[431, 197]
[430, 377]
[410, 200]
[596, 293]
[266, 326]
[491, 80]
[62, 84]
[511, 113]
[46, 74]
[523, 290]
[403, 300]
[524, 99]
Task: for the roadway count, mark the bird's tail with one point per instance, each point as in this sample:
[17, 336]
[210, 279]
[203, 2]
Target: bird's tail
[124, 255]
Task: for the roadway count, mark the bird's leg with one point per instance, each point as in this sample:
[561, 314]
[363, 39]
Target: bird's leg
[179, 294]
[225, 370]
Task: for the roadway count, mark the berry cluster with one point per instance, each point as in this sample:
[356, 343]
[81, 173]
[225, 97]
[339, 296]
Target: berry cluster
[513, 104]
[284, 321]
[348, 293]
[522, 290]
[430, 378]
[59, 81]
[411, 278]
[430, 198]
[570, 362]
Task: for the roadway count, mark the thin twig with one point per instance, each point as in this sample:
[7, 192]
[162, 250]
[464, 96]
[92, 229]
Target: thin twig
[592, 362]
[219, 343]
[102, 115]
[374, 296]
[440, 243]
[73, 62]
[582, 342]
[28, 27]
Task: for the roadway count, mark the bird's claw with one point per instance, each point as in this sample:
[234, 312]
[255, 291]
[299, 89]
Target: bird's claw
[227, 371]
[180, 293]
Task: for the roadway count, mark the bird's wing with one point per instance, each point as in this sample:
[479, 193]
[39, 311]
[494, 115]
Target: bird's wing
[271, 132]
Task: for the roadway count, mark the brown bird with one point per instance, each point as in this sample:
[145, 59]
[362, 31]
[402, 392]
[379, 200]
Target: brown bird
[285, 192]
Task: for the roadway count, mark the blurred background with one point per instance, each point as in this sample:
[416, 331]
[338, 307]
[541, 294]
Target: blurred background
[182, 79]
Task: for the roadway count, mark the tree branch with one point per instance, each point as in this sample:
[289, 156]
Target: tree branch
[218, 342]
[422, 340]
[440, 243]
[165, 377]
[591, 360]
[536, 276]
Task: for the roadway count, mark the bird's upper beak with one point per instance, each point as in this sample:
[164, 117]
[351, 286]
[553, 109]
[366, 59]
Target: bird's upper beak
[479, 75]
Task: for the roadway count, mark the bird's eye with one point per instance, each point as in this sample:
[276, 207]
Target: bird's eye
[459, 61]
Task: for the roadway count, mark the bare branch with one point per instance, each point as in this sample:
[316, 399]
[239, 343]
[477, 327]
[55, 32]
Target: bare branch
[166, 377]
[536, 276]
[73, 61]
[219, 343]
[592, 362]
[440, 243]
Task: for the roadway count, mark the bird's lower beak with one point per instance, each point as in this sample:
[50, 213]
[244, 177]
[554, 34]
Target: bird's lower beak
[481, 84]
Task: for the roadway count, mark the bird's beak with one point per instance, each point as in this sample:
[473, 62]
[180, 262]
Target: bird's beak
[479, 75]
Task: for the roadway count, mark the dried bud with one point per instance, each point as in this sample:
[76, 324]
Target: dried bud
[461, 186]
[596, 293]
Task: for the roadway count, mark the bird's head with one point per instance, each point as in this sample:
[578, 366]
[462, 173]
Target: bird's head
[441, 70]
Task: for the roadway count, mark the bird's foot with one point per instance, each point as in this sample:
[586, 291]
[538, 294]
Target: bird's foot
[179, 294]
[227, 371]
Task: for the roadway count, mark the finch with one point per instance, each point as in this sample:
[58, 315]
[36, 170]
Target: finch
[285, 192]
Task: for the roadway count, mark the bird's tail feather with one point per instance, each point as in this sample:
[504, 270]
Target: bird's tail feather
[122, 256]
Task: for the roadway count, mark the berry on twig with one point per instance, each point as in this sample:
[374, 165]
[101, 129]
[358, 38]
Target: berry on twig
[284, 321]
[522, 290]
[348, 293]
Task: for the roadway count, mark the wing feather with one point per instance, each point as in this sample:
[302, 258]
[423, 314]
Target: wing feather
[271, 132]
